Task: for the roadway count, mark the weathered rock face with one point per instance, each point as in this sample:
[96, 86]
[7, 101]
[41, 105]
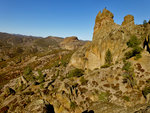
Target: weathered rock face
[103, 19]
[107, 35]
[128, 19]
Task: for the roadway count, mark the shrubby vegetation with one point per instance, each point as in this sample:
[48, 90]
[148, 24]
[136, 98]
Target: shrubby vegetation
[57, 61]
[127, 66]
[146, 91]
[104, 96]
[108, 59]
[83, 81]
[73, 105]
[40, 78]
[75, 73]
[126, 98]
[145, 23]
[133, 42]
[136, 50]
[28, 74]
[128, 74]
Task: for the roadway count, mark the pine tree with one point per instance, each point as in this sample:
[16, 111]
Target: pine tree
[108, 57]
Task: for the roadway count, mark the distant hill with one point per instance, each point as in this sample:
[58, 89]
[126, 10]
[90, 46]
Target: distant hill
[11, 44]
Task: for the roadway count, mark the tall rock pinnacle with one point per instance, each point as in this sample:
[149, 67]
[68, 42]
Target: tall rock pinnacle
[128, 19]
[107, 36]
[104, 18]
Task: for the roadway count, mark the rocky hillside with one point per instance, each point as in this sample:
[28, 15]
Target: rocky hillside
[19, 51]
[111, 74]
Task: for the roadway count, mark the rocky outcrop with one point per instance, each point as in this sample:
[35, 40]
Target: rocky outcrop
[71, 43]
[128, 19]
[69, 39]
[107, 35]
[102, 19]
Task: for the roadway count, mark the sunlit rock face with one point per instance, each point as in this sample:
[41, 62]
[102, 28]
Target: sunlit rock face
[129, 19]
[106, 35]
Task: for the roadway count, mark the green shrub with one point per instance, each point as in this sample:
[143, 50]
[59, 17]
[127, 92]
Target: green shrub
[145, 23]
[105, 66]
[126, 66]
[136, 51]
[42, 86]
[133, 42]
[128, 54]
[73, 105]
[83, 81]
[108, 57]
[129, 78]
[146, 91]
[137, 56]
[28, 71]
[75, 73]
[28, 75]
[126, 98]
[104, 96]
[40, 78]
[128, 74]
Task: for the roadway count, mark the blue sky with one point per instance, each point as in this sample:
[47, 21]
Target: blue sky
[65, 17]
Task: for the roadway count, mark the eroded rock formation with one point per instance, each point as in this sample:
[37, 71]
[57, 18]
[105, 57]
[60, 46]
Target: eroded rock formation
[107, 35]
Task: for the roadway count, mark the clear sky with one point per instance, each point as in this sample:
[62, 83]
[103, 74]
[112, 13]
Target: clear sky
[65, 17]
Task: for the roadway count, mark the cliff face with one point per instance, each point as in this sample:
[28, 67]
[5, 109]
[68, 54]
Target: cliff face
[107, 35]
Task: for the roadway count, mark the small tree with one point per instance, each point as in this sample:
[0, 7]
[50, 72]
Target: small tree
[144, 22]
[128, 74]
[108, 57]
[133, 42]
